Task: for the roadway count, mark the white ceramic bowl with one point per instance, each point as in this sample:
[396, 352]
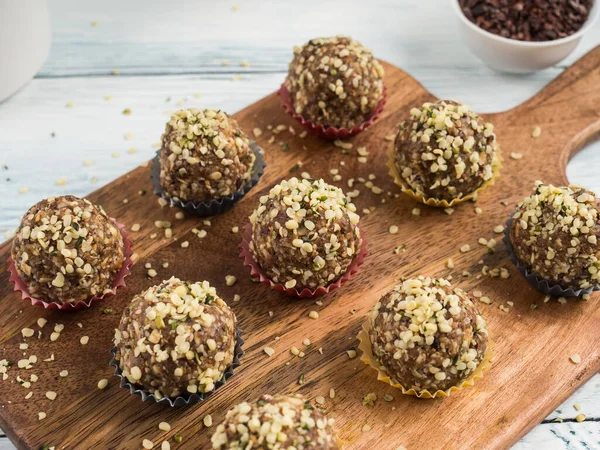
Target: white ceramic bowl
[511, 55]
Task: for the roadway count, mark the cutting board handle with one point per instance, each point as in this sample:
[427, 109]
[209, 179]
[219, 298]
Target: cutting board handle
[568, 112]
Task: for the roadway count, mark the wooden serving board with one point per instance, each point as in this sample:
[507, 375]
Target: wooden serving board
[531, 373]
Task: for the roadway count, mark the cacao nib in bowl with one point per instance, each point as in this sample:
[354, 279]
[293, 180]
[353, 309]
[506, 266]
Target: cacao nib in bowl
[532, 52]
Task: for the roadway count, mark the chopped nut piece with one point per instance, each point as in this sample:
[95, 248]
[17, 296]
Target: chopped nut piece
[27, 332]
[50, 395]
[537, 131]
[41, 415]
[64, 373]
[514, 155]
[320, 399]
[416, 212]
[207, 420]
[185, 244]
[351, 353]
[393, 229]
[465, 248]
[164, 426]
[313, 315]
[230, 280]
[135, 227]
[147, 444]
[580, 417]
[84, 340]
[575, 359]
[102, 383]
[269, 351]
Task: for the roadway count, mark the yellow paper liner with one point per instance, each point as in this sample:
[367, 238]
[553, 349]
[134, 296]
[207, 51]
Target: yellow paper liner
[368, 358]
[391, 164]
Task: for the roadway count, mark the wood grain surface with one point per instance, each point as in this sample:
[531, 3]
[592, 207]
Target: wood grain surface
[531, 375]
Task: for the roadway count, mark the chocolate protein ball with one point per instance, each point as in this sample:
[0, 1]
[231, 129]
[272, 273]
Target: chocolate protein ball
[335, 82]
[555, 234]
[176, 338]
[427, 334]
[445, 151]
[67, 250]
[304, 233]
[204, 156]
[275, 422]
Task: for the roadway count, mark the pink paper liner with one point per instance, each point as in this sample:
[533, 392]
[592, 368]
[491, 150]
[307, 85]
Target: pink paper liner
[118, 282]
[256, 271]
[324, 131]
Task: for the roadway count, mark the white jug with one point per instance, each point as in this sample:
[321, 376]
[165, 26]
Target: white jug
[25, 38]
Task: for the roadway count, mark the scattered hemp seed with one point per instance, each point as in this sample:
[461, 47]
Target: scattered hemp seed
[575, 359]
[147, 444]
[235, 229]
[164, 426]
[499, 229]
[152, 273]
[301, 379]
[185, 244]
[269, 351]
[537, 131]
[237, 298]
[313, 315]
[393, 229]
[115, 155]
[27, 332]
[366, 427]
[450, 263]
[51, 395]
[580, 417]
[102, 383]
[88, 162]
[351, 353]
[180, 216]
[369, 399]
[332, 393]
[23, 190]
[577, 407]
[515, 155]
[416, 212]
[465, 248]
[257, 132]
[132, 150]
[388, 398]
[165, 445]
[320, 400]
[178, 438]
[135, 227]
[69, 105]
[127, 112]
[84, 340]
[207, 420]
[64, 373]
[41, 415]
[230, 280]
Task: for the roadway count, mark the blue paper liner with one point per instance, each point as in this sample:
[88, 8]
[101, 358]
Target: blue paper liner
[181, 400]
[535, 281]
[215, 206]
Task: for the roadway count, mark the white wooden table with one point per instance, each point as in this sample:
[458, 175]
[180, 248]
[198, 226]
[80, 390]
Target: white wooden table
[177, 55]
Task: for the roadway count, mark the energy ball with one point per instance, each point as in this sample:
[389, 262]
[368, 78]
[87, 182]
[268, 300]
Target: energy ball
[67, 250]
[275, 422]
[445, 151]
[335, 82]
[427, 334]
[176, 338]
[304, 233]
[205, 155]
[555, 234]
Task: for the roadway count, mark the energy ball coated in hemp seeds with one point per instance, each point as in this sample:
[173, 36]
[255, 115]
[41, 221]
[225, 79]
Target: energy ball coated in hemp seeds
[204, 156]
[176, 338]
[275, 422]
[67, 250]
[335, 81]
[304, 233]
[555, 234]
[427, 334]
[445, 151]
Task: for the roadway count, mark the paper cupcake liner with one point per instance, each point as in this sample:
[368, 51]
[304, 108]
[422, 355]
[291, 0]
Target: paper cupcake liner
[325, 131]
[215, 206]
[535, 281]
[393, 170]
[368, 358]
[181, 400]
[256, 271]
[119, 281]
